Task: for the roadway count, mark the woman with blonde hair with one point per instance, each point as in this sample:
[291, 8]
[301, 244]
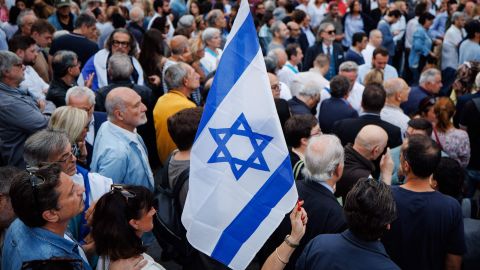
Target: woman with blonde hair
[373, 76]
[453, 141]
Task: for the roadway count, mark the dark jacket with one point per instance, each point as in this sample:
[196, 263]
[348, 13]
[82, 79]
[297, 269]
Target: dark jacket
[356, 167]
[417, 93]
[347, 129]
[57, 92]
[283, 110]
[317, 49]
[298, 107]
[302, 41]
[137, 31]
[333, 110]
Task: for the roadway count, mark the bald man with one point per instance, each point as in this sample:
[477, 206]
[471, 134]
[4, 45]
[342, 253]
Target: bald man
[119, 152]
[180, 53]
[397, 91]
[369, 145]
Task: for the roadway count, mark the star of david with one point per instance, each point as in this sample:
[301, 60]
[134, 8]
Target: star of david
[222, 154]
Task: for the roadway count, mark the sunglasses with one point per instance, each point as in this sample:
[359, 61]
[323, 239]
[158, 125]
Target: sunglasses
[330, 32]
[121, 189]
[35, 181]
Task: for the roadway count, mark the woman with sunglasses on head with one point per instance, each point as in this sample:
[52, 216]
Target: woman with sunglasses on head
[120, 219]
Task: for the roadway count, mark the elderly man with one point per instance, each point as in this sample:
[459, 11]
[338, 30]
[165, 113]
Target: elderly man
[181, 80]
[120, 41]
[324, 162]
[63, 18]
[79, 40]
[45, 200]
[430, 84]
[379, 61]
[306, 96]
[180, 52]
[374, 41]
[439, 242]
[397, 92]
[20, 115]
[280, 34]
[369, 145]
[25, 20]
[369, 211]
[325, 45]
[119, 152]
[349, 69]
[83, 98]
[66, 69]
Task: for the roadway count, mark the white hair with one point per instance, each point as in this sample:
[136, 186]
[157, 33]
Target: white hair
[78, 91]
[322, 156]
[299, 88]
[428, 75]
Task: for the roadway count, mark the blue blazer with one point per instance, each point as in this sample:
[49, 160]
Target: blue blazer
[333, 110]
[421, 45]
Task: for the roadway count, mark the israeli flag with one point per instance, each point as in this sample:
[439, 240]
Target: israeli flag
[241, 182]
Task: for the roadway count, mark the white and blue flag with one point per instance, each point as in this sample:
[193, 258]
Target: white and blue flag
[241, 183]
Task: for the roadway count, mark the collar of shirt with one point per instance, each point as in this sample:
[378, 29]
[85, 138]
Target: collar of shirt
[324, 48]
[91, 131]
[132, 136]
[323, 183]
[367, 113]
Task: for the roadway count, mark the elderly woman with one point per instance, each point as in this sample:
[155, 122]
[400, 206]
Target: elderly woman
[212, 41]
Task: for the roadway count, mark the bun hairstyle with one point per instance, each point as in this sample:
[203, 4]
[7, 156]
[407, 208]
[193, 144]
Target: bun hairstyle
[444, 110]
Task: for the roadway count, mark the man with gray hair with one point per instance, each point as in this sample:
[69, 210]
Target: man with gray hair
[280, 34]
[430, 84]
[20, 115]
[324, 162]
[397, 92]
[180, 52]
[306, 96]
[25, 20]
[119, 152]
[66, 68]
[181, 80]
[349, 69]
[135, 26]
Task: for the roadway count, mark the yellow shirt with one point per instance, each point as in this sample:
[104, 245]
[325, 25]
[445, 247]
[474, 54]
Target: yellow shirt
[168, 105]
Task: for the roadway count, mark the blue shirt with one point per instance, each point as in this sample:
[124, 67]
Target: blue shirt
[469, 51]
[352, 55]
[388, 72]
[438, 27]
[23, 244]
[121, 155]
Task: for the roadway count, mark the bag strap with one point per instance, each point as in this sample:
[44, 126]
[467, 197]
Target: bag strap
[437, 139]
[297, 168]
[164, 182]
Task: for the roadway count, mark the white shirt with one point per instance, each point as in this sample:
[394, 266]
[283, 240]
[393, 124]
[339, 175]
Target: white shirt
[90, 138]
[400, 26]
[34, 84]
[81, 252]
[355, 97]
[316, 13]
[368, 53]
[99, 185]
[104, 263]
[210, 61]
[285, 92]
[411, 28]
[388, 73]
[395, 116]
[451, 40]
[287, 73]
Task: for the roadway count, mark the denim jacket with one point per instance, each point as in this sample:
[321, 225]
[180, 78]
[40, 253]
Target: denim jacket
[116, 155]
[23, 244]
[421, 45]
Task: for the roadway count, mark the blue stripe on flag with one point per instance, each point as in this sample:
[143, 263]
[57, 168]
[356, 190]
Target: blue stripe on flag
[253, 214]
[234, 61]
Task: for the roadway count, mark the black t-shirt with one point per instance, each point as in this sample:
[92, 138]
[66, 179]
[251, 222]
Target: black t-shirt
[82, 46]
[69, 25]
[429, 225]
[470, 119]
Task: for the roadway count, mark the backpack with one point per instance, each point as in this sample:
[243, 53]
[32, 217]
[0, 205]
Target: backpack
[167, 224]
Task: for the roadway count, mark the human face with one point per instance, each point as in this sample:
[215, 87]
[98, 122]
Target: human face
[43, 40]
[145, 222]
[328, 35]
[16, 74]
[350, 75]
[382, 3]
[194, 10]
[215, 41]
[427, 24]
[89, 32]
[221, 22]
[30, 55]
[120, 43]
[357, 7]
[380, 61]
[28, 21]
[363, 44]
[376, 39]
[404, 93]
[134, 114]
[75, 69]
[82, 102]
[274, 85]
[434, 86]
[192, 80]
[66, 159]
[166, 7]
[294, 29]
[283, 31]
[70, 201]
[460, 22]
[64, 11]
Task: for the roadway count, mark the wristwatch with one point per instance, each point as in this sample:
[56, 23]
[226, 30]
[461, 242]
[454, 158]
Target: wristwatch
[290, 244]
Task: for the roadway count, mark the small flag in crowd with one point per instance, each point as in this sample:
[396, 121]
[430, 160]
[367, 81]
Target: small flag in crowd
[241, 183]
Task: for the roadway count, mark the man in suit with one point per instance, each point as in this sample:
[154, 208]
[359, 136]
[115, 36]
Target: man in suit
[325, 45]
[324, 162]
[336, 107]
[83, 98]
[373, 100]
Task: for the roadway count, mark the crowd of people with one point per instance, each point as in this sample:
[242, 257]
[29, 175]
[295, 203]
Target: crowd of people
[379, 102]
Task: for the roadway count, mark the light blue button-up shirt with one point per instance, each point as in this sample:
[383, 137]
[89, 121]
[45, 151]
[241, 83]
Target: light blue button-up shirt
[121, 155]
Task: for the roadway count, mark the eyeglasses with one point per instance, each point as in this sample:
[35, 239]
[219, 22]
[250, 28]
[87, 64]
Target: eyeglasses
[121, 188]
[70, 156]
[275, 87]
[330, 32]
[35, 181]
[123, 44]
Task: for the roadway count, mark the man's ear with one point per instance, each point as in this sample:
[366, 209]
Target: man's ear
[50, 216]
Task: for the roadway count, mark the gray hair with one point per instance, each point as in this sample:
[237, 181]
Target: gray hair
[348, 66]
[209, 33]
[136, 14]
[79, 91]
[22, 15]
[373, 32]
[42, 145]
[174, 76]
[299, 88]
[212, 16]
[428, 75]
[62, 60]
[322, 156]
[269, 5]
[322, 28]
[116, 102]
[7, 60]
[393, 86]
[186, 21]
[456, 15]
[276, 27]
[120, 67]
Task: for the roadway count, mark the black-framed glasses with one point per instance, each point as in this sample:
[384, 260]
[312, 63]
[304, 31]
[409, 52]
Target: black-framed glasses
[70, 156]
[123, 44]
[121, 189]
[35, 181]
